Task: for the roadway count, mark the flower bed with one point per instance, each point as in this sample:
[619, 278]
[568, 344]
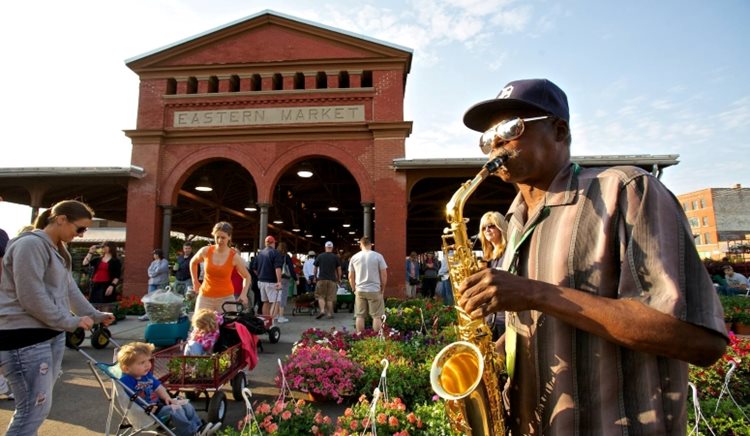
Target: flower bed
[728, 416]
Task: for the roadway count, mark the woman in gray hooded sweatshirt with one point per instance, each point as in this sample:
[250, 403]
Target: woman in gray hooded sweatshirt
[37, 296]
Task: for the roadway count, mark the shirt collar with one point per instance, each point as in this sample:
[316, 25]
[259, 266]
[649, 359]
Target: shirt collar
[562, 191]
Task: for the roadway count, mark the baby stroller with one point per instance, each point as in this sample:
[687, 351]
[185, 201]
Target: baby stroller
[134, 414]
[257, 325]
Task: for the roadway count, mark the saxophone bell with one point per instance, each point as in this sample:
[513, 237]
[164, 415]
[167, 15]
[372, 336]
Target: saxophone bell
[457, 370]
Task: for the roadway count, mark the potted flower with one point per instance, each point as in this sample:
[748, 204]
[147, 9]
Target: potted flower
[324, 373]
[283, 418]
[394, 418]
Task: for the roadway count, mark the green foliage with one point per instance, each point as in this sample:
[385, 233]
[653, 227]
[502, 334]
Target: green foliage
[420, 315]
[409, 362]
[736, 309]
[199, 368]
[727, 420]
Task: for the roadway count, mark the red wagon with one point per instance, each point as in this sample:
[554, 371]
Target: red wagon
[201, 377]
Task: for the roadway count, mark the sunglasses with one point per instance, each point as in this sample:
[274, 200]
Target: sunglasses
[505, 131]
[488, 227]
[80, 230]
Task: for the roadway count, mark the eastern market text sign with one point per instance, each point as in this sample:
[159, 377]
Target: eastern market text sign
[278, 115]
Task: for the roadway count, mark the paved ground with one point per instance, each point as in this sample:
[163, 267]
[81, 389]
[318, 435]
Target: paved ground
[80, 406]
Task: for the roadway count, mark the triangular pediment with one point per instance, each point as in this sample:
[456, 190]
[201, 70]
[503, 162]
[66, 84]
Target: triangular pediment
[269, 37]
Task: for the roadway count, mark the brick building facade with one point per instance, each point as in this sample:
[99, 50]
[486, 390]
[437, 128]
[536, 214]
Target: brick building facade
[720, 220]
[267, 93]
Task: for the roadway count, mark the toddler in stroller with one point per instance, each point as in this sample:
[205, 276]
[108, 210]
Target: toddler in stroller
[135, 363]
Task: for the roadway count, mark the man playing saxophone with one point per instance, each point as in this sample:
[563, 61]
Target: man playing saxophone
[607, 300]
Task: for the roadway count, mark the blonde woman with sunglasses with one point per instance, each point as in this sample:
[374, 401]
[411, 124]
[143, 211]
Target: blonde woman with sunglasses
[492, 237]
[37, 296]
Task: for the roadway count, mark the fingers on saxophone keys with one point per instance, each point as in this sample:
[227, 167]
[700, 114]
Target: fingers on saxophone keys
[480, 311]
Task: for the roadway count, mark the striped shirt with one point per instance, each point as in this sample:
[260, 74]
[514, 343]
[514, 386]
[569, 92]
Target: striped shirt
[617, 233]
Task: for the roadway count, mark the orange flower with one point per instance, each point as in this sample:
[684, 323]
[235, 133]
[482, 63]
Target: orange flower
[354, 424]
[411, 417]
[382, 418]
[348, 412]
[393, 421]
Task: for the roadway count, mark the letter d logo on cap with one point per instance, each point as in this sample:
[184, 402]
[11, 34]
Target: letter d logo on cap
[506, 92]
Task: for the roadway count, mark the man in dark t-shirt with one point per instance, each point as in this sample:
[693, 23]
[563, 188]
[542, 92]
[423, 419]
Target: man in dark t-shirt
[268, 268]
[327, 269]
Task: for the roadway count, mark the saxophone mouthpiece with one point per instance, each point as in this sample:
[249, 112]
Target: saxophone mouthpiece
[494, 164]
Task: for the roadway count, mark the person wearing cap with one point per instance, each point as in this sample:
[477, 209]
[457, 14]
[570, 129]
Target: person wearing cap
[308, 271]
[268, 265]
[220, 261]
[368, 275]
[327, 270]
[607, 299]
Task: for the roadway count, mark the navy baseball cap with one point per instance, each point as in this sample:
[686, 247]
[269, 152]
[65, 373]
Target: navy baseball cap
[520, 94]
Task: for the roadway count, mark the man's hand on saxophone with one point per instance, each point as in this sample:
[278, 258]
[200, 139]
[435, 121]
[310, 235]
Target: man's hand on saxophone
[493, 290]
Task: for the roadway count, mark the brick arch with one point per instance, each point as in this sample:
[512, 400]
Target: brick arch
[302, 151]
[179, 173]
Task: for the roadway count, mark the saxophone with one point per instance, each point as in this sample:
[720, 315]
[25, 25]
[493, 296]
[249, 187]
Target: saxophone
[466, 373]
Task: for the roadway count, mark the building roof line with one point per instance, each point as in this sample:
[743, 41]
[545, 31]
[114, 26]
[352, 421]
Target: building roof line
[260, 14]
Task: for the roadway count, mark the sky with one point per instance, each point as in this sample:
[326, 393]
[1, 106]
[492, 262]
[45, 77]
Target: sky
[642, 77]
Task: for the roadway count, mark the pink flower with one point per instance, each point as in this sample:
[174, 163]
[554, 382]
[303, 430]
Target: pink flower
[273, 428]
[382, 418]
[348, 412]
[314, 429]
[326, 420]
[354, 424]
[263, 408]
[393, 421]
[286, 415]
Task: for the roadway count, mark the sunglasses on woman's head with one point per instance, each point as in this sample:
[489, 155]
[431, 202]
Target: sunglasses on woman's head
[505, 131]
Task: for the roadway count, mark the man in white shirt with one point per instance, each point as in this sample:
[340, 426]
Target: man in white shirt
[735, 281]
[368, 275]
[308, 271]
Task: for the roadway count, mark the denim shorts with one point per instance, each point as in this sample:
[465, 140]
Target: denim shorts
[32, 372]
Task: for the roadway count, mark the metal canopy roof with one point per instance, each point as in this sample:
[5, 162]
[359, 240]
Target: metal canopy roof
[299, 202]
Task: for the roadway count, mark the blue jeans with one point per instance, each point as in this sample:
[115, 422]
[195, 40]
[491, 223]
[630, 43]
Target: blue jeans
[446, 291]
[184, 419]
[152, 288]
[32, 372]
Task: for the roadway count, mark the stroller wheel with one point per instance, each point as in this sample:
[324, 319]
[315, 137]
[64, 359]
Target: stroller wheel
[100, 338]
[274, 334]
[217, 407]
[75, 339]
[238, 384]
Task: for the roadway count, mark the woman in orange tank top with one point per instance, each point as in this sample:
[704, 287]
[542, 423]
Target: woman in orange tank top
[219, 260]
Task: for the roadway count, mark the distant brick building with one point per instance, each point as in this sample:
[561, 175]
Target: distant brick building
[720, 220]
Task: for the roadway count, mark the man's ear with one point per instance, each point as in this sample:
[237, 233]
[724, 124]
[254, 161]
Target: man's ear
[562, 131]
